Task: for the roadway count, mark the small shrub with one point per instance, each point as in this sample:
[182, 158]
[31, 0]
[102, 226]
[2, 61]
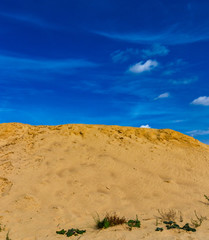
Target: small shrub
[198, 221]
[109, 221]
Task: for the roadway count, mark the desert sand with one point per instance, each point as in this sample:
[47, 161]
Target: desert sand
[55, 177]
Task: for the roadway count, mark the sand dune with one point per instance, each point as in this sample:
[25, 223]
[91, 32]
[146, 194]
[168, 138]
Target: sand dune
[54, 177]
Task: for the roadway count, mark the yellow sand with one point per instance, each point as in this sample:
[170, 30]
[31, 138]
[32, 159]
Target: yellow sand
[54, 177]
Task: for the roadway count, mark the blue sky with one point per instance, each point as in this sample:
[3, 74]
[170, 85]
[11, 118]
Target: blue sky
[120, 62]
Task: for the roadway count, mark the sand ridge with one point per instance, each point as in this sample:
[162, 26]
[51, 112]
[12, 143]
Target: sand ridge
[54, 177]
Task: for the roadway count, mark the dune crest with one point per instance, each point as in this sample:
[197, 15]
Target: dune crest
[54, 177]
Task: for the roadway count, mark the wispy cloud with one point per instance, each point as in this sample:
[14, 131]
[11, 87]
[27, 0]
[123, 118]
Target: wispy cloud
[124, 55]
[178, 121]
[184, 81]
[155, 50]
[174, 35]
[29, 19]
[204, 100]
[143, 67]
[11, 66]
[174, 67]
[163, 95]
[198, 132]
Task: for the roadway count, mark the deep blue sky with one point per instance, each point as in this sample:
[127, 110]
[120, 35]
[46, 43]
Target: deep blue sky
[120, 62]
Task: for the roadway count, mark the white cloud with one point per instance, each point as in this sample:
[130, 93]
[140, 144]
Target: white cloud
[156, 50]
[145, 126]
[163, 95]
[201, 101]
[198, 132]
[143, 67]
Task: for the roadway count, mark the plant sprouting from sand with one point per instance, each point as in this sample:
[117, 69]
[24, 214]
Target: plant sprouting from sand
[207, 198]
[173, 225]
[109, 220]
[7, 236]
[71, 232]
[134, 223]
[198, 221]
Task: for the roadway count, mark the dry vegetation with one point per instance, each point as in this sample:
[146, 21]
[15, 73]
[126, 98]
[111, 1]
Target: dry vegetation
[197, 222]
[167, 215]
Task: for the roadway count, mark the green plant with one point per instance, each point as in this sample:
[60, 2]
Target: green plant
[74, 232]
[109, 221]
[171, 224]
[174, 225]
[198, 221]
[134, 223]
[7, 236]
[206, 197]
[62, 232]
[71, 232]
[158, 229]
[187, 228]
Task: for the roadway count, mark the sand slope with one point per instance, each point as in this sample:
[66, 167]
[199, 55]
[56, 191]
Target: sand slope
[54, 177]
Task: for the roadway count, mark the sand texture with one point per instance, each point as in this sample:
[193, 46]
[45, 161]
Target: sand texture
[55, 177]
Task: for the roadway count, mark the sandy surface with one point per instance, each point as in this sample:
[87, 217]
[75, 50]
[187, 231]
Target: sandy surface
[54, 177]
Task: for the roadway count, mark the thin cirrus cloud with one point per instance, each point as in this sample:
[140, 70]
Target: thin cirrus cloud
[204, 101]
[29, 20]
[174, 35]
[184, 81]
[163, 95]
[124, 55]
[174, 67]
[194, 133]
[14, 66]
[141, 67]
[155, 50]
